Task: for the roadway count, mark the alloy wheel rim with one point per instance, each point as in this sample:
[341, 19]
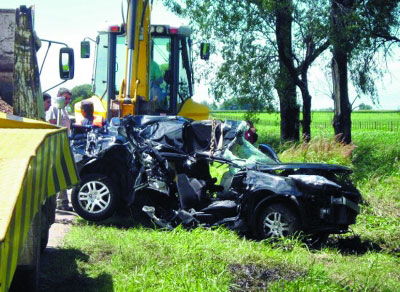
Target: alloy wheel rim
[275, 225]
[94, 197]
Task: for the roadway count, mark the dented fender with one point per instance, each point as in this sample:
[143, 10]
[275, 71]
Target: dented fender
[258, 181]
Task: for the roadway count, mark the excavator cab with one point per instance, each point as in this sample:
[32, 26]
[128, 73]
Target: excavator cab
[170, 69]
[143, 69]
[171, 79]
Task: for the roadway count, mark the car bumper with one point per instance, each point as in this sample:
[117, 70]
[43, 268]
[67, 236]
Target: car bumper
[340, 214]
[343, 201]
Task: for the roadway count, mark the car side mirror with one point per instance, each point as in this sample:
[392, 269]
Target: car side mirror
[66, 63]
[85, 49]
[205, 51]
[269, 151]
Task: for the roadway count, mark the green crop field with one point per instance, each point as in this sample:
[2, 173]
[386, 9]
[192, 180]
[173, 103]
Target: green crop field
[106, 257]
[363, 120]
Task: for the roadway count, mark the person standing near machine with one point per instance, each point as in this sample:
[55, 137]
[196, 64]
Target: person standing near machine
[46, 101]
[251, 134]
[89, 119]
[64, 96]
[57, 115]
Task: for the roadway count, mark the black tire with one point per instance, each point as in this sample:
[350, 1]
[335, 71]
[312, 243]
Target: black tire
[86, 197]
[277, 220]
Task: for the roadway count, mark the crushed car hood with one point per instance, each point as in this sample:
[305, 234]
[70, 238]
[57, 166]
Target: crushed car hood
[309, 166]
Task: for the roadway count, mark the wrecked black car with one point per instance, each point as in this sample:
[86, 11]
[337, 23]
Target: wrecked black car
[204, 173]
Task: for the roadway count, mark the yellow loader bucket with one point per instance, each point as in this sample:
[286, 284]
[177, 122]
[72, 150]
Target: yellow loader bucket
[35, 163]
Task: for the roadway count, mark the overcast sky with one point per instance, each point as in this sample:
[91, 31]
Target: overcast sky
[73, 20]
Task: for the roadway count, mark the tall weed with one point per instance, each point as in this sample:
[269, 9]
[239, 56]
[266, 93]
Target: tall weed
[319, 150]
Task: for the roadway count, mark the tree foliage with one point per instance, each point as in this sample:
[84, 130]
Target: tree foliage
[266, 47]
[241, 40]
[364, 107]
[83, 91]
[257, 51]
[373, 33]
[79, 92]
[362, 33]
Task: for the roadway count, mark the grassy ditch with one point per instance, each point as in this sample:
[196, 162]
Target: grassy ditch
[99, 258]
[107, 258]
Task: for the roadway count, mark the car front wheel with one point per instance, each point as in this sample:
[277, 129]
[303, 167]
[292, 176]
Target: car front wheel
[95, 198]
[277, 220]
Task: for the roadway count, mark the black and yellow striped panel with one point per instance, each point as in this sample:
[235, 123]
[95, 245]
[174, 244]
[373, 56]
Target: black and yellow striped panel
[34, 164]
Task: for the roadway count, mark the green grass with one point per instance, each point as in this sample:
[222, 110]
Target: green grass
[106, 258]
[202, 260]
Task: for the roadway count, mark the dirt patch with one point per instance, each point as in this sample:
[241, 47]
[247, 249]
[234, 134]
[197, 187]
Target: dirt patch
[256, 277]
[101, 253]
[64, 221]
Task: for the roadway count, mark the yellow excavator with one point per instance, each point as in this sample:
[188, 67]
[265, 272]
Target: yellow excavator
[143, 69]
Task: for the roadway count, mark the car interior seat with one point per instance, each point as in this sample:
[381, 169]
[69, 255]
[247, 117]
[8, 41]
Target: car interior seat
[191, 192]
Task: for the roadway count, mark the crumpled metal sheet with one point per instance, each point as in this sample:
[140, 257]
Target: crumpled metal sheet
[309, 166]
[314, 180]
[264, 181]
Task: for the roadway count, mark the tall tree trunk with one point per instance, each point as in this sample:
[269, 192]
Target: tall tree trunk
[27, 93]
[342, 116]
[7, 39]
[305, 93]
[340, 52]
[289, 109]
[285, 84]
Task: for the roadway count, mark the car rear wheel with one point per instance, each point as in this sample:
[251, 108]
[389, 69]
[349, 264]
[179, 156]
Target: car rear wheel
[95, 198]
[277, 220]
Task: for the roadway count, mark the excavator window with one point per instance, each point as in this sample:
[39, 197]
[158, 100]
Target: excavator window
[120, 62]
[159, 74]
[170, 70]
[100, 76]
[184, 83]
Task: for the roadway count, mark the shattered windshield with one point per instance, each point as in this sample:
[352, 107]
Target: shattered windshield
[242, 152]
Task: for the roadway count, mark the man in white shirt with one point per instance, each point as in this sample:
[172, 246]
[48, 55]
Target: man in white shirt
[52, 113]
[51, 117]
